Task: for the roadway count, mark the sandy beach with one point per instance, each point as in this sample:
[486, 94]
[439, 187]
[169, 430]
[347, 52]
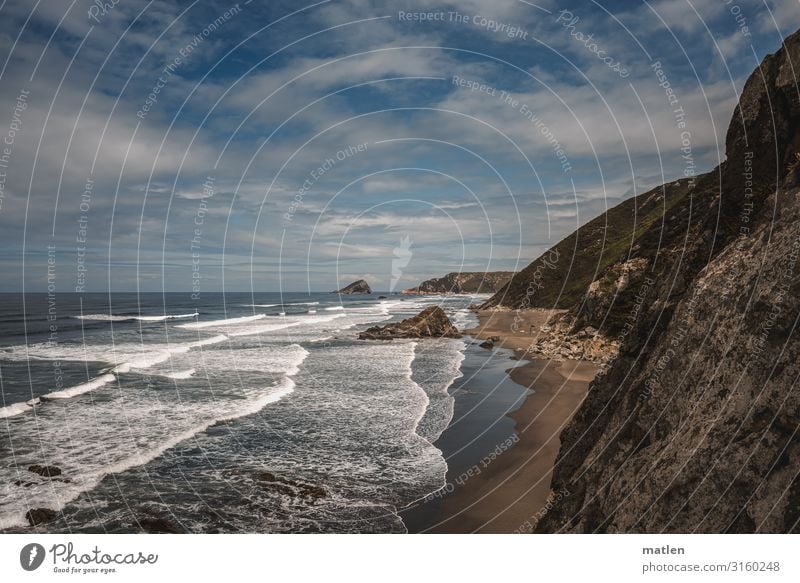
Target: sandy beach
[507, 489]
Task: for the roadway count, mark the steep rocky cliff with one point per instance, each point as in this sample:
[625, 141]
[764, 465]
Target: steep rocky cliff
[463, 283]
[694, 427]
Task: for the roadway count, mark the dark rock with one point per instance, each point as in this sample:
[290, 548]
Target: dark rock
[381, 297]
[487, 344]
[36, 516]
[158, 525]
[46, 471]
[699, 376]
[429, 323]
[357, 287]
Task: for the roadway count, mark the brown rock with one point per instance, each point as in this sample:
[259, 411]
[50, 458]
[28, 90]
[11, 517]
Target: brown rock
[431, 322]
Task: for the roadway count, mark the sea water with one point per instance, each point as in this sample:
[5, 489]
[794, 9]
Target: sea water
[238, 413]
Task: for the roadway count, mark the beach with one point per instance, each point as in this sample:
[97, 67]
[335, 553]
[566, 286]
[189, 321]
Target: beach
[507, 487]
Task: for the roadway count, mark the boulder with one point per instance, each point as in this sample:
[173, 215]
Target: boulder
[431, 322]
[36, 516]
[46, 471]
[158, 525]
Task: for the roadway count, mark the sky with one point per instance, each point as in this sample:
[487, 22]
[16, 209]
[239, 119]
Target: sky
[289, 146]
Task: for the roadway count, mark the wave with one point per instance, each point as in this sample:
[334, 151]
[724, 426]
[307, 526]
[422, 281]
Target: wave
[335, 308]
[71, 491]
[113, 318]
[182, 374]
[18, 408]
[104, 318]
[261, 329]
[218, 323]
[165, 317]
[80, 389]
[284, 304]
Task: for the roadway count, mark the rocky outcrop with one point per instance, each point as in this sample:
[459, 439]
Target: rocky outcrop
[694, 427]
[158, 525]
[560, 340]
[357, 287]
[429, 323]
[463, 283]
[46, 471]
[37, 516]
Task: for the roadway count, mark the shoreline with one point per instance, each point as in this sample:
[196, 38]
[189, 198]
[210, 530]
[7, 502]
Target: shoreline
[508, 489]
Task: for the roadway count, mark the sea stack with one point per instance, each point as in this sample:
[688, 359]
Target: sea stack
[429, 323]
[357, 287]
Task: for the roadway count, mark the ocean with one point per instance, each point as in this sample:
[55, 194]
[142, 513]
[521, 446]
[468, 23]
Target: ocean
[235, 413]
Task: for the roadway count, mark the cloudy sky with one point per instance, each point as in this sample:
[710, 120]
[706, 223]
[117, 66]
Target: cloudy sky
[291, 145]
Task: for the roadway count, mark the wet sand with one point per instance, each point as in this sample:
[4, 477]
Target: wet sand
[508, 487]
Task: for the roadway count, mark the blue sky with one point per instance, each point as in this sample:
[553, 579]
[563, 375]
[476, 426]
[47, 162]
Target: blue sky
[326, 133]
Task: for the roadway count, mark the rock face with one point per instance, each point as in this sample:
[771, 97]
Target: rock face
[693, 428]
[429, 323]
[357, 287]
[560, 340]
[463, 283]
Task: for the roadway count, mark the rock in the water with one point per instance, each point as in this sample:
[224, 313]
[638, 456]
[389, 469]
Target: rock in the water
[158, 525]
[487, 344]
[429, 323]
[46, 471]
[357, 287]
[381, 297]
[36, 516]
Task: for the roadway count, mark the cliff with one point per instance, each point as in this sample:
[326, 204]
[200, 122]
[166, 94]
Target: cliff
[693, 428]
[463, 283]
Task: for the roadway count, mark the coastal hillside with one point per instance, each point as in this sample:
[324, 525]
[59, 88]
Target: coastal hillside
[463, 283]
[561, 277]
[694, 426]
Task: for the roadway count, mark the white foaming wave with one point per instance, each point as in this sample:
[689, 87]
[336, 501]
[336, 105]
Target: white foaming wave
[14, 409]
[262, 329]
[69, 491]
[93, 384]
[104, 318]
[438, 364]
[275, 305]
[165, 317]
[312, 311]
[182, 374]
[335, 308]
[254, 406]
[208, 341]
[222, 323]
[269, 358]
